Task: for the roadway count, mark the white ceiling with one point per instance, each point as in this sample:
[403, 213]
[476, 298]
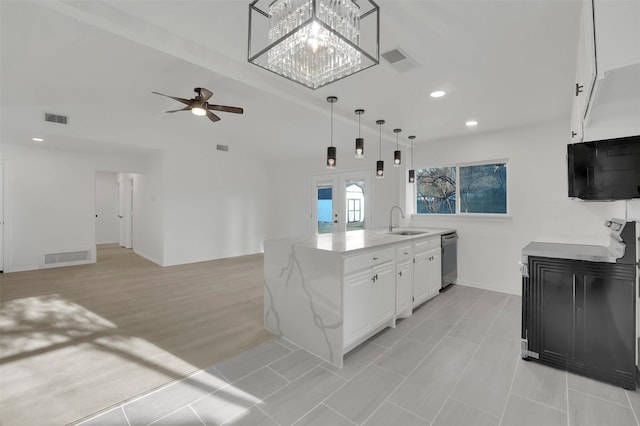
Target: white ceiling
[504, 63]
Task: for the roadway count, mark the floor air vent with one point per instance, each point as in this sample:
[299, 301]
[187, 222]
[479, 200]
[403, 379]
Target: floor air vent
[68, 257]
[54, 118]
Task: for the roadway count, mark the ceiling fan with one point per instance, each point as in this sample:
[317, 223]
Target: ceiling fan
[200, 106]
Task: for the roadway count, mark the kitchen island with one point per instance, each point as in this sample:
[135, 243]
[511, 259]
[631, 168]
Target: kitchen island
[331, 292]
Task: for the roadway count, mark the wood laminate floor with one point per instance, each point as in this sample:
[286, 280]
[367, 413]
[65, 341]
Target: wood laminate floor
[77, 340]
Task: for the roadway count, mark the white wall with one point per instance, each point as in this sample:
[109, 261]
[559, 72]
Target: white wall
[215, 202]
[489, 249]
[51, 201]
[106, 208]
[148, 204]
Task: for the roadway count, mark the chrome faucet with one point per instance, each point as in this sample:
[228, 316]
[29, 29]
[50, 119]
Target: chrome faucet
[391, 216]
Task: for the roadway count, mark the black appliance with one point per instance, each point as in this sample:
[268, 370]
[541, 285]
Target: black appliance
[605, 170]
[449, 243]
[580, 315]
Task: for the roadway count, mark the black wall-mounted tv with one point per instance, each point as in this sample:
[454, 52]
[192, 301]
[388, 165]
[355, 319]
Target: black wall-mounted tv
[608, 169]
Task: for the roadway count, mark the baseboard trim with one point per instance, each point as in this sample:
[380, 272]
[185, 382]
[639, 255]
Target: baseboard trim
[499, 289]
[146, 256]
[9, 270]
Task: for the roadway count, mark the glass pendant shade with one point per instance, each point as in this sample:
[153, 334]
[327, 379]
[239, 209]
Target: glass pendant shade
[397, 158]
[397, 155]
[359, 152]
[359, 148]
[314, 42]
[380, 163]
[412, 172]
[331, 157]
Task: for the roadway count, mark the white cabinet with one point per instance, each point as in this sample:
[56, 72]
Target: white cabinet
[369, 294]
[585, 72]
[434, 271]
[427, 270]
[357, 303]
[606, 101]
[404, 280]
[384, 293]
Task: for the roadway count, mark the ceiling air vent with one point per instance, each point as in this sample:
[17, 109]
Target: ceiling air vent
[224, 148]
[399, 60]
[54, 118]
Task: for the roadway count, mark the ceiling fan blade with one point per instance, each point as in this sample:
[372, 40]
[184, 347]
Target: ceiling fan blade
[187, 108]
[184, 101]
[212, 116]
[224, 108]
[204, 93]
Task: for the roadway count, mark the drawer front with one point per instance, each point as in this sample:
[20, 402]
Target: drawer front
[367, 260]
[426, 245]
[404, 253]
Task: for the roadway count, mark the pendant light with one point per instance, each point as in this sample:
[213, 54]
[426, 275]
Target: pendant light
[412, 173]
[380, 163]
[331, 150]
[397, 155]
[359, 139]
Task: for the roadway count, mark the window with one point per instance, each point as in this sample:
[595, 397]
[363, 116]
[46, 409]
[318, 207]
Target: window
[483, 188]
[477, 188]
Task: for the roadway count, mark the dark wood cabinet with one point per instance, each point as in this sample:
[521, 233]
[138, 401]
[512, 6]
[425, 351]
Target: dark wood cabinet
[580, 316]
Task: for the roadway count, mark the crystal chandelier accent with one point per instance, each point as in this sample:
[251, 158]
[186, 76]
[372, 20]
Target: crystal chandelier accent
[313, 42]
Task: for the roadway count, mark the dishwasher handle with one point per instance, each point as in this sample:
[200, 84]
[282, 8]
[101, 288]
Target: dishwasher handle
[449, 238]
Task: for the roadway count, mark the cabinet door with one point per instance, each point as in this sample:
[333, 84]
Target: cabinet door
[434, 267]
[605, 321]
[384, 290]
[551, 309]
[357, 309]
[404, 284]
[420, 278]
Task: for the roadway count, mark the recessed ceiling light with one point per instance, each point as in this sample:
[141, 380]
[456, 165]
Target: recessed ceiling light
[471, 123]
[438, 94]
[37, 139]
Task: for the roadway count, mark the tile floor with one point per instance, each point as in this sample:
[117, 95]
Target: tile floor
[454, 362]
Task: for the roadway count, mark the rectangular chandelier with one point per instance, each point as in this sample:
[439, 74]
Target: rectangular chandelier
[314, 42]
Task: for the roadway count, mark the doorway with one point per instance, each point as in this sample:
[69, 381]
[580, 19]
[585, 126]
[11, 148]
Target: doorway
[342, 202]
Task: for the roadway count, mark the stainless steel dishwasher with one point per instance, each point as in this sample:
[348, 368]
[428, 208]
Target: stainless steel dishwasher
[449, 258]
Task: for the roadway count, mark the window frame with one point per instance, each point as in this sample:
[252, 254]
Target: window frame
[459, 213]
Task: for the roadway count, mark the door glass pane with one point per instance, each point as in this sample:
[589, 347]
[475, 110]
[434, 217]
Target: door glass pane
[325, 209]
[355, 205]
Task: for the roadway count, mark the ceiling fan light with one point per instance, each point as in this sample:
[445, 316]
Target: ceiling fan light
[199, 111]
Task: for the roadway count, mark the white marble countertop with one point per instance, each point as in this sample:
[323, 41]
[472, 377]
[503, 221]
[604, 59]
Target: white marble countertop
[342, 242]
[591, 253]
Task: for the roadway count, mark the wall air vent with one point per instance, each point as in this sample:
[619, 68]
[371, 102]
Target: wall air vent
[224, 148]
[54, 118]
[399, 60]
[66, 258]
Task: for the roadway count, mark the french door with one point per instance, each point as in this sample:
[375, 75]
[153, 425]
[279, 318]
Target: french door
[342, 202]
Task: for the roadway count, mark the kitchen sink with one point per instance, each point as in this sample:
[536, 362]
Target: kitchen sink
[407, 232]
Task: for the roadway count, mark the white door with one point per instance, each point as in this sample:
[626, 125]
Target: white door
[435, 271]
[342, 202]
[125, 212]
[1, 216]
[404, 286]
[420, 278]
